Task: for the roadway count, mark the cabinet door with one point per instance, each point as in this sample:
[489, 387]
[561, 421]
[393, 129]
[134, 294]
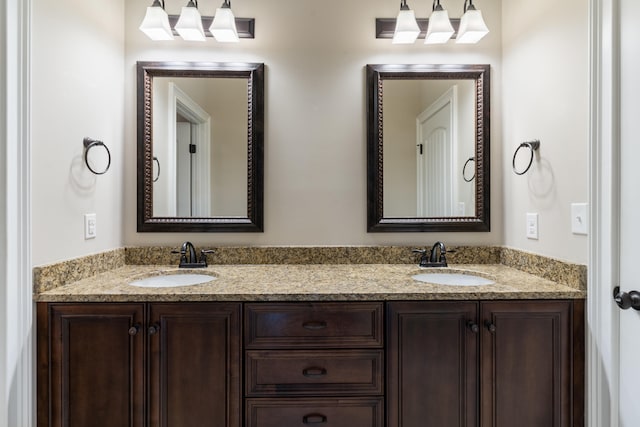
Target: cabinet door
[526, 364]
[94, 355]
[432, 368]
[194, 364]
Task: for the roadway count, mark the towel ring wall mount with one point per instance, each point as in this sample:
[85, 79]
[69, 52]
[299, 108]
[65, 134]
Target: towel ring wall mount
[532, 146]
[90, 143]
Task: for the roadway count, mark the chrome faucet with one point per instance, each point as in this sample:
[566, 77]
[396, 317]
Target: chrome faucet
[436, 257]
[192, 261]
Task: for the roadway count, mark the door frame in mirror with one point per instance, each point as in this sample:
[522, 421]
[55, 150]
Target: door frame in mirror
[376, 74]
[254, 73]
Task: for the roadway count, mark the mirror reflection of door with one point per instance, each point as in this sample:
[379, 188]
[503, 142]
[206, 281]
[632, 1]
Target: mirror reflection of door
[438, 116]
[210, 115]
[435, 145]
[192, 146]
[184, 168]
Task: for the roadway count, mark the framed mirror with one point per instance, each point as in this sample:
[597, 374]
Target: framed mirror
[200, 146]
[428, 148]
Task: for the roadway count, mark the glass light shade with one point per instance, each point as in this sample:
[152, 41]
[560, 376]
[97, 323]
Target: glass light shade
[407, 29]
[189, 24]
[440, 29]
[156, 24]
[223, 26]
[472, 27]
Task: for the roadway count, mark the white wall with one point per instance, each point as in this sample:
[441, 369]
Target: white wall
[315, 136]
[77, 79]
[545, 87]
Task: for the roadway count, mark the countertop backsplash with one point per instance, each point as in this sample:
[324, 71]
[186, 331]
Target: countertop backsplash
[48, 277]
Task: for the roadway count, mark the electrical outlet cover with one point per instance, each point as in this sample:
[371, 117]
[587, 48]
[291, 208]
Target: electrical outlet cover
[90, 226]
[532, 226]
[579, 218]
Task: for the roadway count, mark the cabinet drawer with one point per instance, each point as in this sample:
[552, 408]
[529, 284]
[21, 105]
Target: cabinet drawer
[314, 412]
[318, 372]
[313, 325]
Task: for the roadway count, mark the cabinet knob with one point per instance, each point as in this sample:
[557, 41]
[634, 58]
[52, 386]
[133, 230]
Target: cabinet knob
[314, 419]
[133, 330]
[490, 326]
[314, 372]
[154, 329]
[473, 326]
[314, 325]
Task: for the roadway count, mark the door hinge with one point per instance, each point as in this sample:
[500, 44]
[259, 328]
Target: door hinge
[420, 145]
[192, 148]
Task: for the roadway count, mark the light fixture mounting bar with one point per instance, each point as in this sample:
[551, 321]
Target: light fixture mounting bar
[245, 26]
[385, 27]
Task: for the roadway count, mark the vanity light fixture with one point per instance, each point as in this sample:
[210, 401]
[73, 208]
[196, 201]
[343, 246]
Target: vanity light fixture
[156, 22]
[189, 25]
[407, 30]
[472, 26]
[223, 26]
[439, 29]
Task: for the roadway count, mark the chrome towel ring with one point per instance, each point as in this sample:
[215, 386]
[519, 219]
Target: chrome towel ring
[464, 168]
[533, 146]
[90, 143]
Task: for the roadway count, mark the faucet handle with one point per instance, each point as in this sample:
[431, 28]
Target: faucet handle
[419, 251]
[183, 255]
[203, 255]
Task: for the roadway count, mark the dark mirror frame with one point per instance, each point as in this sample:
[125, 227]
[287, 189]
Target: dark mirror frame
[254, 73]
[376, 75]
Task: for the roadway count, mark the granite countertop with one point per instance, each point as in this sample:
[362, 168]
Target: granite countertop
[313, 282]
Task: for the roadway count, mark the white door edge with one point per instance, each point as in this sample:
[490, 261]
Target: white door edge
[602, 329]
[17, 329]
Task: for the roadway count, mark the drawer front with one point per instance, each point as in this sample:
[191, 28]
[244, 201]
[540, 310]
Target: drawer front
[313, 325]
[314, 412]
[316, 372]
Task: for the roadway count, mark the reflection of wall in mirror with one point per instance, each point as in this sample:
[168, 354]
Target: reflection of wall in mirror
[403, 101]
[225, 99]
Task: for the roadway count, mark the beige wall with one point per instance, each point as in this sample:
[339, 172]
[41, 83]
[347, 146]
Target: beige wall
[315, 132]
[77, 60]
[84, 84]
[545, 96]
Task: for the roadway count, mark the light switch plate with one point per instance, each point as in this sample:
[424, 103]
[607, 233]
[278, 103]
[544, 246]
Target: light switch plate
[579, 218]
[90, 226]
[532, 226]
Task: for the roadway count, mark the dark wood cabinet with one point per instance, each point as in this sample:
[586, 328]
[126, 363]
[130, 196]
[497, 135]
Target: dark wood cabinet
[526, 364]
[90, 365]
[95, 359]
[432, 365]
[347, 364]
[492, 364]
[306, 412]
[314, 364]
[194, 365]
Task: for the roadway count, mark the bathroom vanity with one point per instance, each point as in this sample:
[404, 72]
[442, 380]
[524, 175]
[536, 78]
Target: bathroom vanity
[325, 345]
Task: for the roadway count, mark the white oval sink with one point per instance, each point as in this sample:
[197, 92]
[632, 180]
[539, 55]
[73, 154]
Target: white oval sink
[453, 279]
[173, 280]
